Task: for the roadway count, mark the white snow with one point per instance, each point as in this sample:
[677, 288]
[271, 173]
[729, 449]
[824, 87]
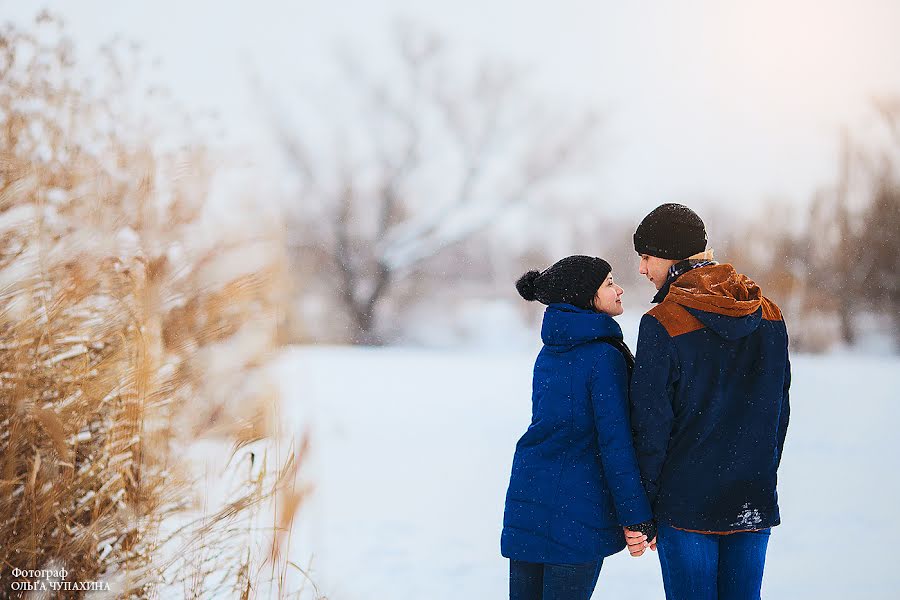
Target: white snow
[749, 518]
[76, 350]
[411, 458]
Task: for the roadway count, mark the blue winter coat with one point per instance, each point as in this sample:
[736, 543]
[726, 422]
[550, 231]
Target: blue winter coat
[575, 479]
[710, 405]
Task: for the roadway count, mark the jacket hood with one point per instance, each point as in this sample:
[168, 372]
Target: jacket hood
[722, 299]
[566, 326]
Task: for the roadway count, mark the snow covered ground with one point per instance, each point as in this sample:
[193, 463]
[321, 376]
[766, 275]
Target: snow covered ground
[411, 458]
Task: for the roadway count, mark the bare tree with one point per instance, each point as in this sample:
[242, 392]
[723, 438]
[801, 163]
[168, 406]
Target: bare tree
[433, 154]
[879, 241]
[852, 239]
[831, 239]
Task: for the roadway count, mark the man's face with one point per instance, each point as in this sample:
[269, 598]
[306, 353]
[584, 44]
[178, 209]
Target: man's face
[655, 269]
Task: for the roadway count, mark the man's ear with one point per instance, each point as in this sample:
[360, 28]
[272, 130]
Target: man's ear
[705, 255]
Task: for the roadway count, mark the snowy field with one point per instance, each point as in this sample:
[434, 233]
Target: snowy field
[412, 451]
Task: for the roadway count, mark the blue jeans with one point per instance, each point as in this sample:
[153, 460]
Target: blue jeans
[545, 581]
[700, 566]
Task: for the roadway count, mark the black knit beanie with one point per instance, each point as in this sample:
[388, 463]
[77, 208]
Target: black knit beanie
[573, 280]
[671, 231]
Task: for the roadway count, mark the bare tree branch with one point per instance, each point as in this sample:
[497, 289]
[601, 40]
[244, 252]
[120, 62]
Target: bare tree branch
[438, 157]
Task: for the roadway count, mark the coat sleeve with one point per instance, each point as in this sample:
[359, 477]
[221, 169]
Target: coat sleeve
[609, 398]
[785, 414]
[656, 372]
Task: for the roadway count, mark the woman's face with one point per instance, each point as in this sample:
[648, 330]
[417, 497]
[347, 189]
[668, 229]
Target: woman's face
[608, 298]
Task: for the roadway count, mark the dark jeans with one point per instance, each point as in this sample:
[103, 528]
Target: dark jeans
[699, 566]
[545, 581]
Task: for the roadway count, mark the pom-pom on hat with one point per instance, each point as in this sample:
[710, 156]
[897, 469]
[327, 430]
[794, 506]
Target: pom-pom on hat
[573, 280]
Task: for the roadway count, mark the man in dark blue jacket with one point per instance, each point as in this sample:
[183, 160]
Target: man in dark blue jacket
[709, 411]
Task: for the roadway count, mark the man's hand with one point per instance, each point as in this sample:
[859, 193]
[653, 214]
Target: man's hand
[637, 542]
[653, 544]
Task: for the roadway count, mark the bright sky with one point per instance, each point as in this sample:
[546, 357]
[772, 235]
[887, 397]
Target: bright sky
[706, 101]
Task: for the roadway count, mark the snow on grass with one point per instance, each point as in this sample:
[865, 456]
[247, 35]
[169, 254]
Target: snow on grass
[412, 452]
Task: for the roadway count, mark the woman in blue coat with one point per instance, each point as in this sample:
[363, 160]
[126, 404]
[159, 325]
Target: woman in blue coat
[575, 481]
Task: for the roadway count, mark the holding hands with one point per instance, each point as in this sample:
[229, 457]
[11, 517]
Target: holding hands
[639, 537]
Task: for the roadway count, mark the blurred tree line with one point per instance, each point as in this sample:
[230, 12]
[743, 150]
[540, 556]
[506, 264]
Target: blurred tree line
[431, 185]
[835, 268]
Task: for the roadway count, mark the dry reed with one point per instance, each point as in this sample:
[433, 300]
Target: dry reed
[128, 332]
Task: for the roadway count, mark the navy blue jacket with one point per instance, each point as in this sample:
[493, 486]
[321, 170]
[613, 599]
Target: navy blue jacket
[709, 400]
[575, 480]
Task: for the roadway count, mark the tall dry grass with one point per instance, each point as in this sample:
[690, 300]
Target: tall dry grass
[130, 329]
